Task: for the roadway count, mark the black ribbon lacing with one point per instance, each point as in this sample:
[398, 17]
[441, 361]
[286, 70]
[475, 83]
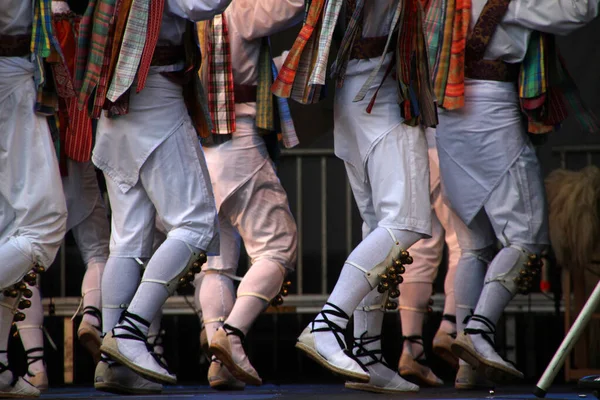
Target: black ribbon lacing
[159, 342]
[450, 318]
[232, 330]
[32, 359]
[94, 312]
[376, 355]
[484, 333]
[134, 333]
[417, 339]
[338, 331]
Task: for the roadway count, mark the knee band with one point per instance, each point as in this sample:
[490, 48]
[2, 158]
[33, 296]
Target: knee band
[387, 275]
[485, 255]
[266, 285]
[521, 269]
[229, 275]
[186, 276]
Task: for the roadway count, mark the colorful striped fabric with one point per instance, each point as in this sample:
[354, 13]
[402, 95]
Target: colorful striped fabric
[302, 92]
[123, 7]
[83, 43]
[102, 17]
[265, 109]
[264, 98]
[330, 17]
[285, 79]
[102, 87]
[221, 101]
[288, 130]
[134, 40]
[443, 63]
[547, 91]
[42, 43]
[433, 27]
[154, 22]
[75, 125]
[353, 30]
[41, 29]
[454, 97]
[532, 77]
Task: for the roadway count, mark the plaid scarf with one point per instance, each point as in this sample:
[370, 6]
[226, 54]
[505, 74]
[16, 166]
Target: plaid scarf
[93, 45]
[302, 91]
[330, 17]
[116, 43]
[547, 91]
[353, 31]
[221, 101]
[433, 30]
[417, 104]
[265, 110]
[286, 122]
[41, 29]
[44, 46]
[132, 48]
[454, 96]
[219, 74]
[93, 39]
[154, 22]
[287, 75]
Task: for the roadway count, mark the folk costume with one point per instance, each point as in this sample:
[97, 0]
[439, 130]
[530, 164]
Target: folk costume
[251, 202]
[383, 146]
[32, 205]
[509, 70]
[137, 61]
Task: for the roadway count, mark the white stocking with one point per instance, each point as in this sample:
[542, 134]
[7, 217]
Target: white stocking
[120, 280]
[260, 285]
[32, 335]
[217, 296]
[414, 300]
[91, 290]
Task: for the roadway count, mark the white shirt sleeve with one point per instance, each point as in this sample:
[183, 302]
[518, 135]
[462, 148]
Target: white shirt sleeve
[197, 10]
[259, 18]
[558, 17]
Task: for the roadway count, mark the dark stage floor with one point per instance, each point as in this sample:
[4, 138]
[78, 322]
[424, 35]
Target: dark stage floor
[321, 392]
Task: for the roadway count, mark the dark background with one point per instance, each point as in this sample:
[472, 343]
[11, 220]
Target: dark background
[270, 343]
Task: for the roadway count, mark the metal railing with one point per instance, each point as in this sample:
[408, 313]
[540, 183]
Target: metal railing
[323, 155]
[564, 151]
[301, 301]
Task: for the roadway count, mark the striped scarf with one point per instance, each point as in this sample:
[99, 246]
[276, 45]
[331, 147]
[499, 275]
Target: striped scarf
[353, 31]
[417, 103]
[43, 46]
[295, 64]
[74, 125]
[219, 73]
[447, 41]
[116, 43]
[547, 91]
[92, 43]
[221, 99]
[130, 56]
